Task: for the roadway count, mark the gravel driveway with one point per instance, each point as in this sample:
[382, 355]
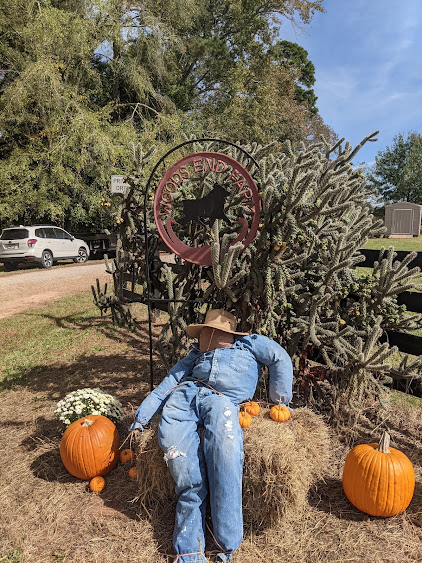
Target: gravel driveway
[23, 290]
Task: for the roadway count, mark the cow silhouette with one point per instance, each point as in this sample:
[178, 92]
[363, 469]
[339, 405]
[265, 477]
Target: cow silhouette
[210, 206]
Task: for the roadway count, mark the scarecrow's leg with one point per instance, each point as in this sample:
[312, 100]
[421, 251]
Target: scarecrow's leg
[223, 449]
[179, 439]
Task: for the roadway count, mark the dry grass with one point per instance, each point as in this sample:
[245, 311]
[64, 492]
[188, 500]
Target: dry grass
[49, 516]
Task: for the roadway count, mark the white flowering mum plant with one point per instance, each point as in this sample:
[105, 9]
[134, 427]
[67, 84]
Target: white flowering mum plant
[87, 401]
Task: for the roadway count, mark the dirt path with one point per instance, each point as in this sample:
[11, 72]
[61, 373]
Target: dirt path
[20, 291]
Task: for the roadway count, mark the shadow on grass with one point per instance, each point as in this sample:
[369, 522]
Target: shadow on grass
[112, 371]
[119, 498]
[118, 495]
[328, 496]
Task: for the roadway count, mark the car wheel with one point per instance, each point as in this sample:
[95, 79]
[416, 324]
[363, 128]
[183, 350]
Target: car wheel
[10, 266]
[46, 259]
[82, 256]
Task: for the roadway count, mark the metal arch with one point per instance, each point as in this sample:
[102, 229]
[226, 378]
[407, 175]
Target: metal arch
[147, 187]
[191, 142]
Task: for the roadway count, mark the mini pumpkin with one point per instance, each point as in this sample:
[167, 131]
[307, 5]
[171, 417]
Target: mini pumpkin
[133, 472]
[97, 484]
[245, 419]
[279, 413]
[252, 408]
[377, 479]
[126, 456]
[90, 447]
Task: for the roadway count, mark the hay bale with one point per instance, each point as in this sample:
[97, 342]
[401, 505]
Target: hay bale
[282, 462]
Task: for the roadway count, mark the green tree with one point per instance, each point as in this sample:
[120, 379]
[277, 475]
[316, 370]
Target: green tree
[295, 58]
[58, 149]
[397, 172]
[80, 79]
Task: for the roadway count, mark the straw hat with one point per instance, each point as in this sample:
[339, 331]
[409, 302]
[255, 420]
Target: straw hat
[216, 318]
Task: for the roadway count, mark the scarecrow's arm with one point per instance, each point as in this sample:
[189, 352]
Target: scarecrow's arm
[279, 364]
[154, 403]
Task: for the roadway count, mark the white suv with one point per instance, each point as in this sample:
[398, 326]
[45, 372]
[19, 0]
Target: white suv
[44, 244]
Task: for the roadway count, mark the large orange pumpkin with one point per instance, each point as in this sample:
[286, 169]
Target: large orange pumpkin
[90, 447]
[377, 479]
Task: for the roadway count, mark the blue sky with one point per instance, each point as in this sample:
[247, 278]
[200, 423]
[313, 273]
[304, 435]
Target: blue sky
[367, 57]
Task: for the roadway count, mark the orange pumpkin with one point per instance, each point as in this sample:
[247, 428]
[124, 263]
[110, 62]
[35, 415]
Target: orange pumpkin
[133, 472]
[97, 484]
[252, 408]
[90, 447]
[279, 413]
[377, 479]
[245, 419]
[126, 456]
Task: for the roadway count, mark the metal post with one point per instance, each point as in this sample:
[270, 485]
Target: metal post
[150, 299]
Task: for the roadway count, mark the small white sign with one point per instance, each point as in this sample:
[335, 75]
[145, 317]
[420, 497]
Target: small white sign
[118, 185]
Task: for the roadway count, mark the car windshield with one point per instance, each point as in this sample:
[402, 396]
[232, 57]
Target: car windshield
[13, 234]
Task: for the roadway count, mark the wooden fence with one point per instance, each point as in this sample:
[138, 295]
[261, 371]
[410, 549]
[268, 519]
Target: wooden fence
[408, 343]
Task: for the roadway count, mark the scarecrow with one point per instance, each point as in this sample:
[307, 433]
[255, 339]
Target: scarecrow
[203, 391]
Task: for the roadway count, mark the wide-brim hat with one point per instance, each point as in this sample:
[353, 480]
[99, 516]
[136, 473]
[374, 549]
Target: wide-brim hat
[216, 318]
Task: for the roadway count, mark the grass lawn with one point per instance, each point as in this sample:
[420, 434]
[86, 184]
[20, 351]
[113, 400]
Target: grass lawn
[407, 244]
[50, 516]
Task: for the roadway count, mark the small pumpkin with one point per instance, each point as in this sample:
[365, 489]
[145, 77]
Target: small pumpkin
[377, 479]
[97, 484]
[126, 456]
[133, 472]
[90, 447]
[252, 408]
[245, 419]
[279, 413]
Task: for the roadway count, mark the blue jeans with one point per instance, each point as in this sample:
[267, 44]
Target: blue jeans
[216, 463]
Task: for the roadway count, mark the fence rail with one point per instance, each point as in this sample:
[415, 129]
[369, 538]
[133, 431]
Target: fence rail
[407, 343]
[371, 256]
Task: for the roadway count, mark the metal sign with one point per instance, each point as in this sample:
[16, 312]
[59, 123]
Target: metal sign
[223, 188]
[118, 185]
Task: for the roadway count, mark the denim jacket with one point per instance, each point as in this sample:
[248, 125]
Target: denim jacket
[232, 371]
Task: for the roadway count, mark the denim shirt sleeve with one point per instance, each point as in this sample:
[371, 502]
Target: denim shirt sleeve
[154, 403]
[280, 367]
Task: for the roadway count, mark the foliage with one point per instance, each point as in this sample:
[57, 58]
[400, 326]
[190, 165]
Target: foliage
[295, 57]
[296, 281]
[397, 172]
[82, 79]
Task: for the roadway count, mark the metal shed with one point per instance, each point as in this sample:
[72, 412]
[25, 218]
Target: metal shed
[403, 218]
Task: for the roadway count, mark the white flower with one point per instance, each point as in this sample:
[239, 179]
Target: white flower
[87, 401]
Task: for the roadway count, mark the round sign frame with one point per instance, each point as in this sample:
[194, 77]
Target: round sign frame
[174, 177]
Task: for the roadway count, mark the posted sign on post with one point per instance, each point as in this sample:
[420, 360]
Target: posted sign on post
[118, 185]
